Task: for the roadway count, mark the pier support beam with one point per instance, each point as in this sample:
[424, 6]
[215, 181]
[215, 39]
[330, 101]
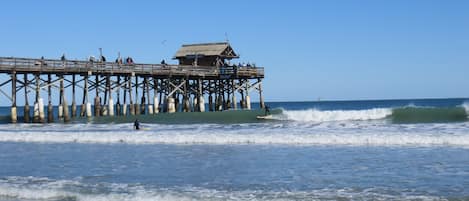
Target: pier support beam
[97, 101]
[61, 95]
[233, 96]
[50, 108]
[14, 114]
[248, 99]
[63, 100]
[27, 118]
[171, 105]
[118, 104]
[155, 96]
[186, 103]
[261, 98]
[86, 105]
[143, 100]
[74, 104]
[149, 106]
[110, 103]
[38, 116]
[124, 105]
[200, 97]
[136, 106]
[210, 102]
[131, 104]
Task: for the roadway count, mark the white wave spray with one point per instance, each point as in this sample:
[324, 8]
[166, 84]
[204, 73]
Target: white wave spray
[314, 115]
[466, 107]
[34, 188]
[354, 134]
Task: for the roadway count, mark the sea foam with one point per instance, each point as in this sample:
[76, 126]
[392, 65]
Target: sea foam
[314, 115]
[28, 188]
[264, 134]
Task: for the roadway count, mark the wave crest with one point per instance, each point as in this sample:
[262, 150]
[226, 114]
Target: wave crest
[314, 115]
[313, 138]
[465, 105]
[28, 188]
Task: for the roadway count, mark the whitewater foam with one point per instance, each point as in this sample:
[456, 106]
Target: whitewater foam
[314, 115]
[277, 134]
[21, 188]
[466, 107]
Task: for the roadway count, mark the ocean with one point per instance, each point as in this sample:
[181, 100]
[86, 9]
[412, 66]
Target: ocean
[326, 150]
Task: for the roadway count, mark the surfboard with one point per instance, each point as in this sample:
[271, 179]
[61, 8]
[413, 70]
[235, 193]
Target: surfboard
[264, 117]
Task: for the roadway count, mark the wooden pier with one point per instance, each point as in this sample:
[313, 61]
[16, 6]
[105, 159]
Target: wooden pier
[127, 88]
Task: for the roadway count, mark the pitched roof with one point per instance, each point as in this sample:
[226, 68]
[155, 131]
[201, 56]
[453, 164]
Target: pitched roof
[206, 49]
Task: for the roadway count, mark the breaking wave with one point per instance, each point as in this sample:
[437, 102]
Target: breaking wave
[262, 134]
[38, 189]
[314, 115]
[410, 114]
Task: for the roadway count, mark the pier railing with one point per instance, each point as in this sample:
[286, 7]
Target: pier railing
[29, 65]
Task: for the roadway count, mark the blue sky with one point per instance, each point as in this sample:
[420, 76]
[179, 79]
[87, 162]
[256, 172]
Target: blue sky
[335, 50]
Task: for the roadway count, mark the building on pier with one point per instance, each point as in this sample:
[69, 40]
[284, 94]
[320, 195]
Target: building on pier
[205, 54]
[203, 74]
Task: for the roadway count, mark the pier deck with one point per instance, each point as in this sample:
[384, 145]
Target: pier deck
[70, 67]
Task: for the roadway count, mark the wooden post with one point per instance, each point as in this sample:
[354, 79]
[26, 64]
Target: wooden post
[14, 114]
[248, 99]
[170, 102]
[131, 104]
[86, 105]
[97, 101]
[64, 104]
[27, 118]
[61, 94]
[201, 100]
[118, 104]
[149, 106]
[110, 103]
[155, 96]
[143, 100]
[124, 106]
[74, 104]
[261, 98]
[50, 108]
[39, 116]
[105, 107]
[161, 107]
[220, 97]
[210, 98]
[185, 99]
[136, 106]
[233, 96]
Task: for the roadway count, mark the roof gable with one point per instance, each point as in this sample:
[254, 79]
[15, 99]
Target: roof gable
[207, 49]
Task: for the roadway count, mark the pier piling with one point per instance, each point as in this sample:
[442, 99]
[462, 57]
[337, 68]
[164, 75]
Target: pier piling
[26, 117]
[14, 115]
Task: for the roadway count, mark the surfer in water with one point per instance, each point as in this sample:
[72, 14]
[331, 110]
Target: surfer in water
[136, 124]
[267, 110]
